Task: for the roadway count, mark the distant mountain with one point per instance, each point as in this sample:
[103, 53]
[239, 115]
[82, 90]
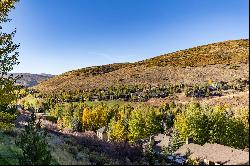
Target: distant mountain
[29, 80]
[222, 61]
[48, 75]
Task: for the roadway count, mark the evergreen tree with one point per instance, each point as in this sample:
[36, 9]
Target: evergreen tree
[150, 154]
[175, 142]
[77, 119]
[33, 144]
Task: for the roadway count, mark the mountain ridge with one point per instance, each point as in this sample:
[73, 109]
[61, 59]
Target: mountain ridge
[29, 80]
[220, 57]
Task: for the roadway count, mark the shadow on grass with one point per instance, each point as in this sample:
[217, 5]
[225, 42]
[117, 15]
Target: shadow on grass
[119, 151]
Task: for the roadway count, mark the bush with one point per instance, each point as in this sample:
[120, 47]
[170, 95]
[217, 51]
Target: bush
[6, 121]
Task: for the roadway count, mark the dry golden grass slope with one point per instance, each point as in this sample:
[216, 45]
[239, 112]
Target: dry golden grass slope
[222, 61]
[235, 100]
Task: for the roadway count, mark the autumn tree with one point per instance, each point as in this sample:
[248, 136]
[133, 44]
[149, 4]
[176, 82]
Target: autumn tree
[118, 126]
[193, 122]
[76, 121]
[117, 130]
[99, 116]
[152, 123]
[136, 125]
[8, 58]
[213, 125]
[86, 119]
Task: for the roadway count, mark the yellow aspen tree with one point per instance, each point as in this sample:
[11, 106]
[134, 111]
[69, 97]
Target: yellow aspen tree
[86, 118]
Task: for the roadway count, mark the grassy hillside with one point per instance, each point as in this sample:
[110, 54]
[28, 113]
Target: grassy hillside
[62, 150]
[223, 61]
[227, 52]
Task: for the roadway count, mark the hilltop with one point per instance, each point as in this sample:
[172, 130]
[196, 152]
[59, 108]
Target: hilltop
[222, 61]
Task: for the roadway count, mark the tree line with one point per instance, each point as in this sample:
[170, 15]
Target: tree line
[130, 124]
[139, 93]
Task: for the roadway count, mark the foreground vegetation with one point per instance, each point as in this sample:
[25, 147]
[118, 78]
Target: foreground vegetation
[61, 149]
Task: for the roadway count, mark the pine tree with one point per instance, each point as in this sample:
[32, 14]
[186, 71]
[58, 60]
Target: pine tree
[33, 144]
[150, 154]
[175, 142]
[77, 119]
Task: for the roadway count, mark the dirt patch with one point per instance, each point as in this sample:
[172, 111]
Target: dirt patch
[236, 100]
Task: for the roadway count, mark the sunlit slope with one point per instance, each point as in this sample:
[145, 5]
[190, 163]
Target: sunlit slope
[222, 61]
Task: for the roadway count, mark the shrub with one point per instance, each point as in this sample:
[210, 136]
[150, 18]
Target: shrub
[6, 120]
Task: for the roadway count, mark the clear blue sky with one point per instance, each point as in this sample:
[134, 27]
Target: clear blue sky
[62, 35]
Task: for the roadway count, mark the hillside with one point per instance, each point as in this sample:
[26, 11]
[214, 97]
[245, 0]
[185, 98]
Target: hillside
[29, 80]
[227, 52]
[222, 61]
